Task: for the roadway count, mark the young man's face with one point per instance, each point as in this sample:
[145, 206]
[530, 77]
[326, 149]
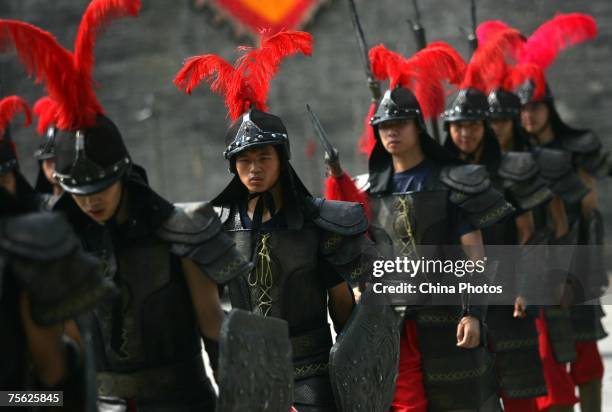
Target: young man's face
[101, 206]
[399, 136]
[258, 168]
[503, 130]
[534, 117]
[48, 167]
[9, 183]
[467, 135]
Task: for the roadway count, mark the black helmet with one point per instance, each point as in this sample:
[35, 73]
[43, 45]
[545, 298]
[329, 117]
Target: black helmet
[470, 104]
[90, 160]
[527, 91]
[256, 128]
[503, 104]
[397, 104]
[47, 149]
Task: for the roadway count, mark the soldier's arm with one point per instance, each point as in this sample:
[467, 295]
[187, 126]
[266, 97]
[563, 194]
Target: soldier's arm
[205, 297]
[556, 208]
[468, 329]
[590, 201]
[524, 227]
[341, 303]
[207, 305]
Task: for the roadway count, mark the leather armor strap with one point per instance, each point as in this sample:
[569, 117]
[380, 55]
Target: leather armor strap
[150, 383]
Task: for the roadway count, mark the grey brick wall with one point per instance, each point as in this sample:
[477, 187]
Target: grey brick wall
[181, 143]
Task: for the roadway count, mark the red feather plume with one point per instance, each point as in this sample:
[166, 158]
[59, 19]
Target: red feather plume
[423, 73]
[489, 64]
[96, 18]
[47, 112]
[9, 107]
[524, 72]
[488, 29]
[562, 31]
[246, 83]
[67, 76]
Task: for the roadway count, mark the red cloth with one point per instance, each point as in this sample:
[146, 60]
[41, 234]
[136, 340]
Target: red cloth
[520, 405]
[409, 390]
[588, 365]
[559, 383]
[343, 188]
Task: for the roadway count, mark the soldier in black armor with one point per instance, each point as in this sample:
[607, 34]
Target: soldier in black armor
[512, 331]
[46, 281]
[167, 261]
[16, 188]
[304, 249]
[583, 153]
[421, 196]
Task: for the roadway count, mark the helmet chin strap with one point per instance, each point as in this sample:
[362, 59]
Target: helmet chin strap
[265, 200]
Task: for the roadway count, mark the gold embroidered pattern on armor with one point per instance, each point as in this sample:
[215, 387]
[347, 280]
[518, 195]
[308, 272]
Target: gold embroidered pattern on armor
[356, 273]
[458, 375]
[494, 215]
[516, 344]
[332, 241]
[436, 319]
[535, 199]
[233, 265]
[310, 369]
[261, 277]
[408, 248]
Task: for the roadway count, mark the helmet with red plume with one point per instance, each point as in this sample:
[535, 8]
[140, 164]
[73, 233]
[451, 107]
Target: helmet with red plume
[89, 150]
[416, 88]
[9, 107]
[245, 86]
[486, 69]
[416, 91]
[536, 53]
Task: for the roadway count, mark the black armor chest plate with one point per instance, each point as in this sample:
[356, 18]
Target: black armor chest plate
[401, 222]
[151, 323]
[285, 282]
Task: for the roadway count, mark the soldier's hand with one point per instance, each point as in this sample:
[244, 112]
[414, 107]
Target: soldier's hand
[468, 332]
[520, 305]
[333, 165]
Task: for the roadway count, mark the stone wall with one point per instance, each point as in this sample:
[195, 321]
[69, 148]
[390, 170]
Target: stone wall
[179, 139]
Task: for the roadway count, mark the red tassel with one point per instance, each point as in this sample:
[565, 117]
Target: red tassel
[9, 107]
[367, 141]
[247, 82]
[343, 188]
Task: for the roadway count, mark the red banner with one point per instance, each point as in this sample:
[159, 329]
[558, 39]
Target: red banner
[275, 15]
